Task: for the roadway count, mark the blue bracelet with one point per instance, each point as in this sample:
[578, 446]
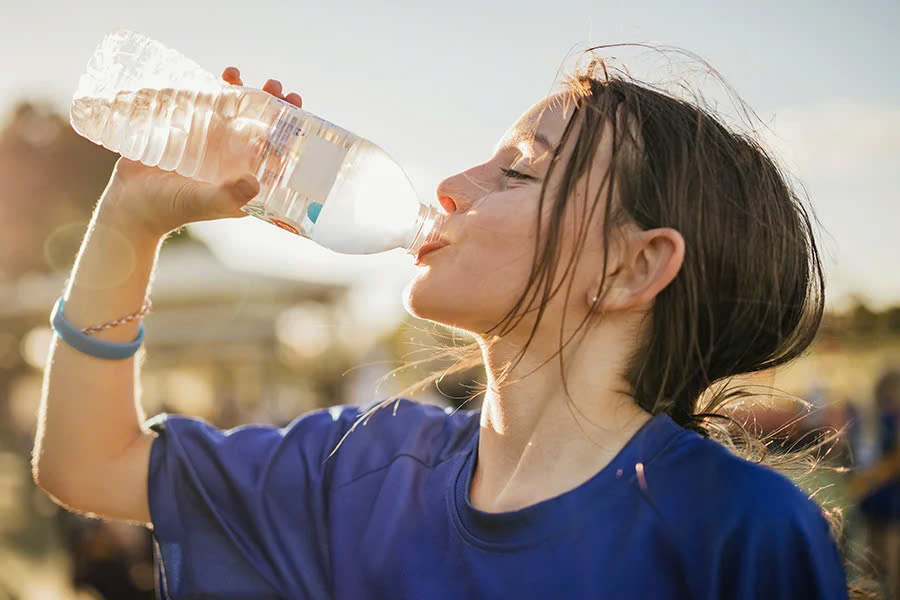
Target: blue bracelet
[87, 344]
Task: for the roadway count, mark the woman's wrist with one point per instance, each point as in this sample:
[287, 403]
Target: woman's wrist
[113, 212]
[112, 272]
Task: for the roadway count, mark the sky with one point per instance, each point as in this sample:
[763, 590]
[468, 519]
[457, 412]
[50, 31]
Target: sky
[436, 84]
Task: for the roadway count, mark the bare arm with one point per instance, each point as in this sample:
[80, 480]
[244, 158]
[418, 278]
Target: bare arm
[89, 446]
[90, 451]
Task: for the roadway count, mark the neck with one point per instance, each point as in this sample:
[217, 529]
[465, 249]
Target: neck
[533, 443]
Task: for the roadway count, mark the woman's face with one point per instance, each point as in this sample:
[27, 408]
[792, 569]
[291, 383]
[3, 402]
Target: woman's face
[473, 282]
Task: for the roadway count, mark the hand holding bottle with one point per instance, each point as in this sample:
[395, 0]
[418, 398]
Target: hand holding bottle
[188, 138]
[159, 201]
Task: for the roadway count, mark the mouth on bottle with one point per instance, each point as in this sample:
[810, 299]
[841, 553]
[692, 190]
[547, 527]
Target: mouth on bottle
[430, 227]
[429, 248]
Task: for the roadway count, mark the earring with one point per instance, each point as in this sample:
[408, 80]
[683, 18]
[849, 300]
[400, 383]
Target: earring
[594, 298]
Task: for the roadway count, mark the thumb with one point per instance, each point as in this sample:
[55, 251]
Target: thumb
[223, 200]
[239, 192]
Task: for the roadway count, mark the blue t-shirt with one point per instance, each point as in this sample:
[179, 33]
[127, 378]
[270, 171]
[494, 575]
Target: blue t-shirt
[257, 512]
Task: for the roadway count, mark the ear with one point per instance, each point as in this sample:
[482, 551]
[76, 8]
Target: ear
[651, 261]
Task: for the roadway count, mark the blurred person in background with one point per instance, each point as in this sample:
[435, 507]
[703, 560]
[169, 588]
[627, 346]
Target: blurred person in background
[851, 419]
[877, 485]
[671, 244]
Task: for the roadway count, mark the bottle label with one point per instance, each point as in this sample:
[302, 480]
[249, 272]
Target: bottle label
[281, 136]
[285, 130]
[317, 167]
[319, 148]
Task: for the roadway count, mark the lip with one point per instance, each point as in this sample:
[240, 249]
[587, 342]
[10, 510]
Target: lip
[430, 247]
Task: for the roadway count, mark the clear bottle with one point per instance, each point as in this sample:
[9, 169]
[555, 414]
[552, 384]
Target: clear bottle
[151, 104]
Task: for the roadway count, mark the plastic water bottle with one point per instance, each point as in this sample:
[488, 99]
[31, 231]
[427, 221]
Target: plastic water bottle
[151, 104]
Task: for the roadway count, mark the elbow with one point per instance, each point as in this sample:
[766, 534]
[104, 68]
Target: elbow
[55, 496]
[42, 476]
[49, 477]
[38, 468]
[46, 484]
[43, 471]
[61, 490]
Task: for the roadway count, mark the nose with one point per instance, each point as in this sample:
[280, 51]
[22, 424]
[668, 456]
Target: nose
[447, 193]
[448, 203]
[459, 192]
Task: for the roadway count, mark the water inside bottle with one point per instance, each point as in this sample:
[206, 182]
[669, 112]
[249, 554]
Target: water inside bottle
[371, 206]
[332, 186]
[317, 179]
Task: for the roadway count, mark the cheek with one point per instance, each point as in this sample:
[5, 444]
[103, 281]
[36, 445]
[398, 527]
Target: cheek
[498, 238]
[475, 282]
[472, 289]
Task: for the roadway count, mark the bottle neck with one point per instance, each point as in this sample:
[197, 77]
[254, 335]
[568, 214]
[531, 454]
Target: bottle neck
[428, 228]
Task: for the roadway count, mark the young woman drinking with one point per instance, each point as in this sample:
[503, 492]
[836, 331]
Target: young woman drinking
[619, 253]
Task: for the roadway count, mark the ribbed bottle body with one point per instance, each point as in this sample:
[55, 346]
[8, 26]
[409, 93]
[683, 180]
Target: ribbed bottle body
[317, 180]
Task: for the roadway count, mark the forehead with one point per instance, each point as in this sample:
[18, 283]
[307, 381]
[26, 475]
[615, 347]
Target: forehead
[546, 119]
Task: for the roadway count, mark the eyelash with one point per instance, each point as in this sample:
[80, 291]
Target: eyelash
[512, 174]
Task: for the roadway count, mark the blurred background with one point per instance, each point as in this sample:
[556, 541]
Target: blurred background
[253, 324]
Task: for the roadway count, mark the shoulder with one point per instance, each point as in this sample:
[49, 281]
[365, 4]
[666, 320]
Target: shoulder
[767, 538]
[343, 439]
[374, 437]
[711, 489]
[760, 534]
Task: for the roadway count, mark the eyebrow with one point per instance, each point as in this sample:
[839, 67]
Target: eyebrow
[540, 138]
[537, 138]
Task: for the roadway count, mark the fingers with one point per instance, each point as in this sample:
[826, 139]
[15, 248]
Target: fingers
[294, 98]
[273, 86]
[233, 76]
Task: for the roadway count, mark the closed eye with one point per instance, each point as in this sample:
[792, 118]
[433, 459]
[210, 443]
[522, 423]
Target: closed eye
[516, 175]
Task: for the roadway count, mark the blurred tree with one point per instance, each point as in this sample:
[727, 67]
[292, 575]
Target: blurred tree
[866, 322]
[860, 324]
[892, 317]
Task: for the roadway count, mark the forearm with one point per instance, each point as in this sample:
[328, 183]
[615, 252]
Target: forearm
[89, 407]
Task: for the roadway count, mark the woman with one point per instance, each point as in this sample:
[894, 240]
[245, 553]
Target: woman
[619, 253]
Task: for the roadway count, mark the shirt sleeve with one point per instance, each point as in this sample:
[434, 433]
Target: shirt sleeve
[242, 513]
[787, 552]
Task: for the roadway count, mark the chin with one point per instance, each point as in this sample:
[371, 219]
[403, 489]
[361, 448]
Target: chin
[426, 299]
[445, 306]
[418, 300]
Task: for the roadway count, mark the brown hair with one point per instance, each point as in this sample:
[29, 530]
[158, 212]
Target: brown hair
[750, 293]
